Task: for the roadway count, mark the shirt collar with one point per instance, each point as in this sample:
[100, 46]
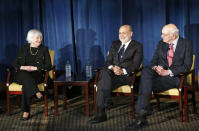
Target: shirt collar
[126, 44]
[175, 41]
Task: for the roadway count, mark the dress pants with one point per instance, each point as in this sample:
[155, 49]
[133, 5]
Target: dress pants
[151, 81]
[29, 82]
[106, 83]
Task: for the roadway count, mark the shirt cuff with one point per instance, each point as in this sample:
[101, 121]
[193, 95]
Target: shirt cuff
[109, 67]
[171, 73]
[154, 67]
[124, 71]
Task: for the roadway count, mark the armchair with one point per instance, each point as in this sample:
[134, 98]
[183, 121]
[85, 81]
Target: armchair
[127, 90]
[13, 88]
[177, 93]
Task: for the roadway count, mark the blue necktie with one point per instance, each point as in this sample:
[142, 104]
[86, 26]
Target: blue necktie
[121, 52]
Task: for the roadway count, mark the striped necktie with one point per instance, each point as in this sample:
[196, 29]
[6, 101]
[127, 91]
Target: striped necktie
[121, 52]
[170, 54]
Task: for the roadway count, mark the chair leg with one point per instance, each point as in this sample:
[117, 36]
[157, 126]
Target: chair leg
[94, 100]
[64, 97]
[19, 101]
[186, 105]
[8, 103]
[158, 102]
[133, 104]
[180, 107]
[45, 104]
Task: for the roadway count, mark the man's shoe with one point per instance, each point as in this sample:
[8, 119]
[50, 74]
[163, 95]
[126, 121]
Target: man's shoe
[137, 125]
[98, 119]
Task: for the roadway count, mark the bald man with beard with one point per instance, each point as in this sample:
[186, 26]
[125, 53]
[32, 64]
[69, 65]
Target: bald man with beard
[124, 57]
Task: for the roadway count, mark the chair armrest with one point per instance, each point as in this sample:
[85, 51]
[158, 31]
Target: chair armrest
[96, 76]
[47, 73]
[46, 77]
[185, 74]
[9, 70]
[135, 72]
[53, 71]
[52, 68]
[192, 72]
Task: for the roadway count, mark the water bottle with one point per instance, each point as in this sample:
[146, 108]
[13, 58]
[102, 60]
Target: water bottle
[68, 69]
[88, 70]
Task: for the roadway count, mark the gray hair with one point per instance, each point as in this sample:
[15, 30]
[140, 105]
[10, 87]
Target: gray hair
[33, 33]
[175, 31]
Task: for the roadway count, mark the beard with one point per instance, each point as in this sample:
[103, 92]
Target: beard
[125, 40]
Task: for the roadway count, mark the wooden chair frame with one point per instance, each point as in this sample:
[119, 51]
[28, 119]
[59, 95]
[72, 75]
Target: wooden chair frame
[190, 89]
[182, 89]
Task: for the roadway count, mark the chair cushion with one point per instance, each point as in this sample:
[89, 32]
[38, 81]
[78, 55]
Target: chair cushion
[123, 89]
[173, 91]
[16, 87]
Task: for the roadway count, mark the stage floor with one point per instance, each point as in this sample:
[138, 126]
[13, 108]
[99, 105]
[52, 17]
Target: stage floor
[74, 118]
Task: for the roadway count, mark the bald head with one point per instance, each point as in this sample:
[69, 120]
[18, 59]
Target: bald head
[170, 29]
[169, 33]
[125, 33]
[127, 27]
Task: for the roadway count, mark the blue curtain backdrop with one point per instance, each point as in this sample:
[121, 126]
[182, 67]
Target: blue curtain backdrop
[82, 30]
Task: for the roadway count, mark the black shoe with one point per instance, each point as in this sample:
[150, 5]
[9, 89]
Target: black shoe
[26, 118]
[145, 112]
[98, 119]
[39, 99]
[137, 125]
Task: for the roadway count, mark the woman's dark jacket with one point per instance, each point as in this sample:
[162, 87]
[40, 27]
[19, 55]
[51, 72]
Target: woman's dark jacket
[42, 61]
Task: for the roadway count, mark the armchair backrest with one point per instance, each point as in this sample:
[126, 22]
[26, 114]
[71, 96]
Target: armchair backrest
[189, 77]
[139, 72]
[52, 53]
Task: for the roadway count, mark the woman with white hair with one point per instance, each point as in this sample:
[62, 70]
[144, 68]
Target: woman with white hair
[31, 62]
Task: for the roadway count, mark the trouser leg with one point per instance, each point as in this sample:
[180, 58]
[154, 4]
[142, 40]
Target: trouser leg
[145, 90]
[151, 81]
[107, 82]
[104, 89]
[29, 88]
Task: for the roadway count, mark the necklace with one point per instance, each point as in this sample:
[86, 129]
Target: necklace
[32, 52]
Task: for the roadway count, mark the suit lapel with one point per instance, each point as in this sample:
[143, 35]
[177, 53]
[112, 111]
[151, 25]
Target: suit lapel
[118, 47]
[178, 49]
[130, 46]
[165, 50]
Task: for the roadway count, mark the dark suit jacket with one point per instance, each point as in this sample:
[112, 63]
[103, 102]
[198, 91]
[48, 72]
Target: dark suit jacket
[131, 59]
[43, 61]
[183, 56]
